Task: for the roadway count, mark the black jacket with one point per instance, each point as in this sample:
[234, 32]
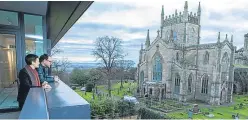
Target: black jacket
[24, 86]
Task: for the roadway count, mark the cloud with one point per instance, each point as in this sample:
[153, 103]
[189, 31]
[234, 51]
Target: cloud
[78, 58]
[76, 41]
[129, 21]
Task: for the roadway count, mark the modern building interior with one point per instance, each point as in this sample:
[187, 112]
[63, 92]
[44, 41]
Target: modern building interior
[30, 27]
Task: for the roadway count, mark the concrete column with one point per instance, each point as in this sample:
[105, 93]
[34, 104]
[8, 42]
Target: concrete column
[49, 47]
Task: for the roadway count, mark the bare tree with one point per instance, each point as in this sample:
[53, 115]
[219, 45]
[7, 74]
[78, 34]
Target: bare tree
[95, 75]
[108, 50]
[59, 66]
[123, 67]
[132, 73]
[56, 50]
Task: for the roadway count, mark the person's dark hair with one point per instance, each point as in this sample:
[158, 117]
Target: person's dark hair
[43, 57]
[30, 58]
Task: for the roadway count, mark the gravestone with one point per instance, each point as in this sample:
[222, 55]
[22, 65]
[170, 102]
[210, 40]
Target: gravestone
[100, 96]
[220, 113]
[210, 110]
[96, 90]
[240, 105]
[237, 116]
[93, 94]
[195, 108]
[190, 114]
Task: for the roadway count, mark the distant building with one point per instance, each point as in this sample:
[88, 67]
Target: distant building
[175, 65]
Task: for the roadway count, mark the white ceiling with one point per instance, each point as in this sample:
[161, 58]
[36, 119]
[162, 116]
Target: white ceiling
[34, 7]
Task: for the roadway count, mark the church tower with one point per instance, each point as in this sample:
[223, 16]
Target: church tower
[185, 26]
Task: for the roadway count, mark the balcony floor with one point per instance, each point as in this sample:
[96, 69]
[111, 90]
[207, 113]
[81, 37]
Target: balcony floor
[10, 115]
[8, 98]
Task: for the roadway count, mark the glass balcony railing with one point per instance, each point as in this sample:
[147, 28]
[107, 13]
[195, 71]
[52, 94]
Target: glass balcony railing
[60, 102]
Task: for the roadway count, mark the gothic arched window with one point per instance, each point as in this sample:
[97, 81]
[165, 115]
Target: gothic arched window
[224, 62]
[204, 84]
[177, 56]
[141, 77]
[225, 58]
[168, 35]
[157, 68]
[195, 59]
[206, 58]
[190, 83]
[174, 35]
[177, 83]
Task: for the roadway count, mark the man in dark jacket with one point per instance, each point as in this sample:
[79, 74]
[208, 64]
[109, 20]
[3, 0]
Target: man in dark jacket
[28, 78]
[45, 63]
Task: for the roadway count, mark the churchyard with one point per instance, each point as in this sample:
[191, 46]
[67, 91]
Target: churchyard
[103, 106]
[129, 89]
[172, 108]
[239, 106]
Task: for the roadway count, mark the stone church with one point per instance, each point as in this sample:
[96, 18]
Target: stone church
[176, 66]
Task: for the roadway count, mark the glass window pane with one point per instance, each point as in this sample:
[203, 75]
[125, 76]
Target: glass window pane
[33, 34]
[8, 18]
[7, 59]
[8, 90]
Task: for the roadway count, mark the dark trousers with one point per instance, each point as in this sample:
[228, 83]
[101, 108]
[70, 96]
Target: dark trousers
[21, 105]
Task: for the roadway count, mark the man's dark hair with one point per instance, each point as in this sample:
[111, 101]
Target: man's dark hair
[30, 58]
[43, 57]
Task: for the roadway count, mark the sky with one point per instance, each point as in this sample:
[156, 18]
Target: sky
[130, 20]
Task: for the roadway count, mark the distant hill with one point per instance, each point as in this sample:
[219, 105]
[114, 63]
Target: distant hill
[82, 65]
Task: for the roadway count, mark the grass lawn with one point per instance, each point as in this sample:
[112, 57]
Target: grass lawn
[88, 96]
[123, 91]
[115, 87]
[240, 66]
[226, 111]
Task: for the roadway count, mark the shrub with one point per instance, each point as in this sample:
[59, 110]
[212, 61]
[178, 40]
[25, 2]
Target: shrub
[110, 106]
[148, 114]
[206, 113]
[73, 87]
[122, 108]
[103, 107]
[107, 108]
[125, 108]
[240, 105]
[97, 109]
[89, 87]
